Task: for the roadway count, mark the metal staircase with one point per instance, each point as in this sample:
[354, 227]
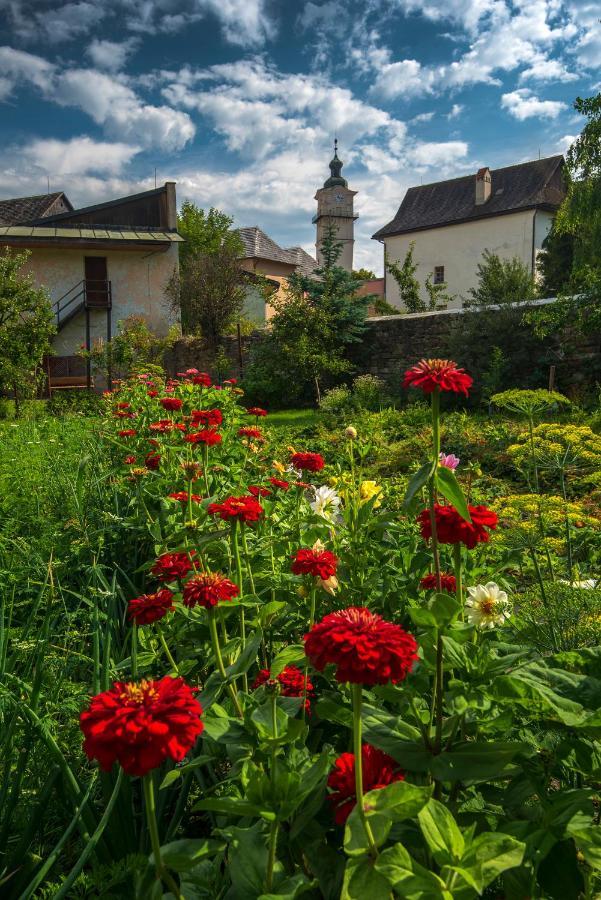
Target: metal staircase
[82, 297]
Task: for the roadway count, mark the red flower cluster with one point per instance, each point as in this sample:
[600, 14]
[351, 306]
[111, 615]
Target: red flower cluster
[364, 647]
[278, 483]
[207, 589]
[127, 432]
[170, 566]
[241, 509]
[438, 374]
[141, 725]
[254, 434]
[182, 497]
[379, 770]
[321, 564]
[129, 460]
[152, 461]
[150, 607]
[173, 403]
[164, 425]
[203, 379]
[292, 682]
[256, 411]
[206, 417]
[310, 462]
[448, 582]
[451, 528]
[258, 491]
[209, 437]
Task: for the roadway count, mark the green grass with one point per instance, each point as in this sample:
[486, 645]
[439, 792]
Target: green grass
[288, 418]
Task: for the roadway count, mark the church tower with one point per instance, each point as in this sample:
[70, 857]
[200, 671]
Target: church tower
[335, 207]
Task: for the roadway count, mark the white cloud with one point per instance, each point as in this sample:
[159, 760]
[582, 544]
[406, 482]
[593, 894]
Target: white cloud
[407, 78]
[522, 104]
[80, 155]
[17, 66]
[544, 69]
[455, 111]
[34, 20]
[447, 154]
[111, 55]
[467, 13]
[423, 117]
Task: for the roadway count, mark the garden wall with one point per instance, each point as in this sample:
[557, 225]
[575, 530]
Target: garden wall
[391, 343]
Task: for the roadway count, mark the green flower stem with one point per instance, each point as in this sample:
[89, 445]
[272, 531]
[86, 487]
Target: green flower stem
[219, 660]
[247, 559]
[240, 583]
[436, 714]
[134, 651]
[205, 466]
[545, 599]
[165, 647]
[162, 874]
[313, 597]
[275, 826]
[357, 693]
[458, 574]
[570, 558]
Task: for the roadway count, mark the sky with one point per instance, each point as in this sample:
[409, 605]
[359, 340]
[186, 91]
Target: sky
[238, 101]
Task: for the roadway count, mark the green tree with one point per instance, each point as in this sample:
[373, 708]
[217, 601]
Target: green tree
[554, 263]
[579, 218]
[314, 324]
[208, 291]
[501, 282]
[409, 287]
[27, 323]
[364, 274]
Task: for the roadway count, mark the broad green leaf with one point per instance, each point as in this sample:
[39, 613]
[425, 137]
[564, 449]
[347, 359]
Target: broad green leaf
[449, 487]
[247, 860]
[441, 833]
[490, 854]
[186, 853]
[355, 838]
[588, 841]
[292, 655]
[291, 888]
[363, 881]
[234, 806]
[176, 773]
[408, 878]
[529, 688]
[417, 482]
[476, 761]
[399, 800]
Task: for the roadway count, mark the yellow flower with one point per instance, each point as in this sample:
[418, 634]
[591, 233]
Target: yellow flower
[279, 467]
[369, 489]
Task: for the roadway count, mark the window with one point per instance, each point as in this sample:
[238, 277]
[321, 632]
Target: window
[438, 274]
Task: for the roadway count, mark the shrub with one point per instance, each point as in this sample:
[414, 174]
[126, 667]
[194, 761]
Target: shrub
[368, 392]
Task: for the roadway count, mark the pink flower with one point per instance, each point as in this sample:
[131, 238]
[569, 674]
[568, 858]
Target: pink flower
[449, 461]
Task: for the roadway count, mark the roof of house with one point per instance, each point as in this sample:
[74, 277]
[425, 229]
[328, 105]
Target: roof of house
[36, 233]
[528, 185]
[23, 209]
[259, 245]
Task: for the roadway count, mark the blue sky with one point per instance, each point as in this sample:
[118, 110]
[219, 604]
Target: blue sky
[238, 101]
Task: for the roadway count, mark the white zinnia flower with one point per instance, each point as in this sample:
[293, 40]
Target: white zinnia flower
[326, 503]
[487, 605]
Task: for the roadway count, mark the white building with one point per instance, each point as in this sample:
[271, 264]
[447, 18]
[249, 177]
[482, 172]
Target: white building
[451, 223]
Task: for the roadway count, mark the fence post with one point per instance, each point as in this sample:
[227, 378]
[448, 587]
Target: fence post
[551, 378]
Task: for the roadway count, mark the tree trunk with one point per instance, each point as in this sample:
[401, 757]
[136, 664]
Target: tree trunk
[317, 391]
[17, 401]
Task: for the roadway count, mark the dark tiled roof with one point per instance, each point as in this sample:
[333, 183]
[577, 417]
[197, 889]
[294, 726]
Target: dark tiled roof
[305, 263]
[527, 185]
[24, 209]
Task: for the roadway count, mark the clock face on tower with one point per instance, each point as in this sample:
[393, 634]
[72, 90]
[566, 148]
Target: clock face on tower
[338, 198]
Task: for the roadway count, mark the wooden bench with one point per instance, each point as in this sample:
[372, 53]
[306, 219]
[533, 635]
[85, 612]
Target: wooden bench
[68, 383]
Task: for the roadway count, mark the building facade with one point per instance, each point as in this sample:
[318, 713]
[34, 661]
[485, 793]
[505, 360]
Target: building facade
[335, 209]
[450, 224]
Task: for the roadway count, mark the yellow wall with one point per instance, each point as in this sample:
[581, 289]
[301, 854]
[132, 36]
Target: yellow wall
[138, 279]
[275, 271]
[459, 249]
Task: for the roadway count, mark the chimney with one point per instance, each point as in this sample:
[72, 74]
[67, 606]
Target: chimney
[483, 185]
[169, 207]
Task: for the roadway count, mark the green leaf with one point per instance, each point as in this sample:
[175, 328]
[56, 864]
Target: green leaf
[291, 655]
[489, 855]
[234, 806]
[176, 773]
[410, 880]
[186, 853]
[441, 832]
[588, 841]
[449, 487]
[355, 838]
[362, 881]
[476, 761]
[399, 800]
[291, 888]
[247, 860]
[417, 482]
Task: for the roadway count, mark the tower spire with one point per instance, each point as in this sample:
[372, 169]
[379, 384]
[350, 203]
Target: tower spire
[336, 179]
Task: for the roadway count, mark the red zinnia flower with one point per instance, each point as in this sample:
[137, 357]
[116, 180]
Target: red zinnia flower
[171, 403]
[141, 725]
[379, 770]
[152, 394]
[129, 460]
[170, 566]
[311, 462]
[206, 416]
[208, 436]
[150, 607]
[182, 497]
[231, 381]
[164, 425]
[438, 374]
[123, 405]
[321, 564]
[207, 589]
[254, 434]
[256, 411]
[152, 461]
[278, 483]
[203, 379]
[292, 682]
[243, 509]
[364, 647]
[257, 491]
[448, 582]
[451, 528]
[127, 432]
[124, 415]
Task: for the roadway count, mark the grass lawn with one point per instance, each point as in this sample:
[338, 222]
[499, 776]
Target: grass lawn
[300, 418]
